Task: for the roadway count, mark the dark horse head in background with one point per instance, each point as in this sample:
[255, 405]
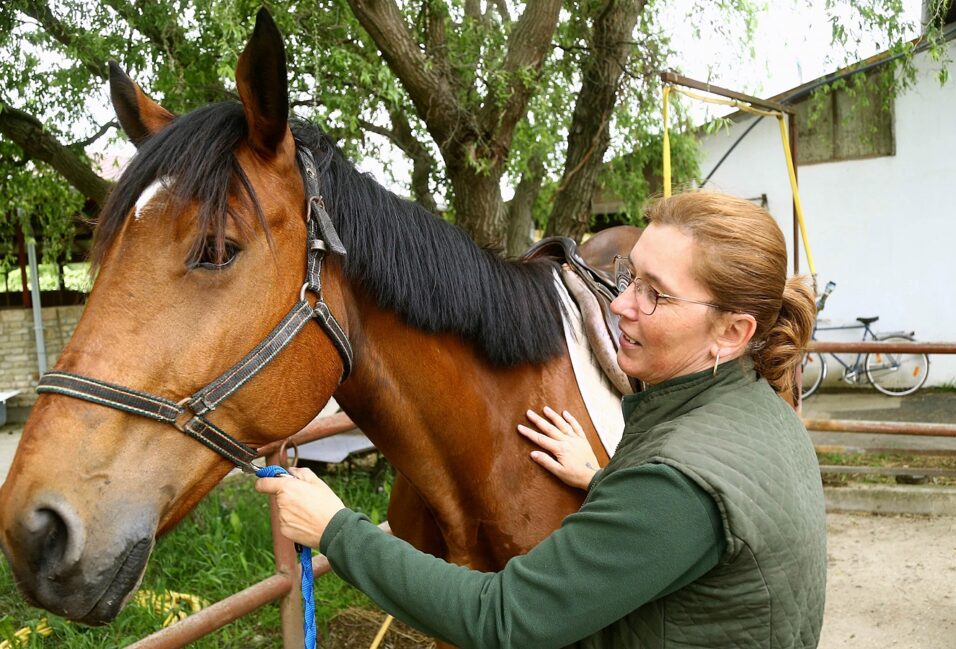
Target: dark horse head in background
[201, 251]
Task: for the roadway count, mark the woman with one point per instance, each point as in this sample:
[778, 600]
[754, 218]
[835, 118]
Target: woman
[707, 527]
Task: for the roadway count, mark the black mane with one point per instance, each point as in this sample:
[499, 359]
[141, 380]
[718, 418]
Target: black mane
[412, 262]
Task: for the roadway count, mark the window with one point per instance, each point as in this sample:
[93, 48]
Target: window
[845, 124]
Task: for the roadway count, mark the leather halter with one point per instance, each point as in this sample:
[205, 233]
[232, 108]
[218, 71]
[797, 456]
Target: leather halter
[189, 414]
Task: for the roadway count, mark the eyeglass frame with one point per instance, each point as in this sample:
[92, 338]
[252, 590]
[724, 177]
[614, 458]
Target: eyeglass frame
[622, 263]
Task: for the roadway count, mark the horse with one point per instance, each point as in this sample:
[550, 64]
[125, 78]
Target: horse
[200, 249]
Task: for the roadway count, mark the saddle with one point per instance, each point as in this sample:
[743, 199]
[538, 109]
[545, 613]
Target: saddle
[587, 272]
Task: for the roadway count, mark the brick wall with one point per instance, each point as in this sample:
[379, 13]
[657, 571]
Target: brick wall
[18, 352]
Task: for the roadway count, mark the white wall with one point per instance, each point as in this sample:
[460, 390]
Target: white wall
[884, 229]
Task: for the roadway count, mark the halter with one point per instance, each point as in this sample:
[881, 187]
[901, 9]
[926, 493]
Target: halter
[189, 415]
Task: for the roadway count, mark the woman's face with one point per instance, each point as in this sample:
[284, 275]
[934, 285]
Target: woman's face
[678, 338]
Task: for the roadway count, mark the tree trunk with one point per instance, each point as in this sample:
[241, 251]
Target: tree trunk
[471, 134]
[479, 209]
[423, 165]
[520, 214]
[588, 138]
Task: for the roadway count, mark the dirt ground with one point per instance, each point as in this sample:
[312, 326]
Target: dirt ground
[891, 583]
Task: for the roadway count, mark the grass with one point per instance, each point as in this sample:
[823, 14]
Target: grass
[887, 460]
[223, 546]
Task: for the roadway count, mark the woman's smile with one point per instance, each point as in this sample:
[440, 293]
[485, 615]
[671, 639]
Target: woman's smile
[627, 341]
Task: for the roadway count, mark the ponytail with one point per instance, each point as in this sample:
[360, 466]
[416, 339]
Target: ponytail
[776, 356]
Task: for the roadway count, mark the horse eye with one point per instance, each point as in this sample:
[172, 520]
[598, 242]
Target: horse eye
[211, 259]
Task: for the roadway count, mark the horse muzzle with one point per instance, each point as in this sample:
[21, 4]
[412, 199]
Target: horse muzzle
[71, 569]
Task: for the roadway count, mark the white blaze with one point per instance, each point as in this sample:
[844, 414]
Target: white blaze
[148, 194]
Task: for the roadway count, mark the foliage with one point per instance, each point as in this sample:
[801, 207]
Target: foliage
[224, 545]
[34, 193]
[76, 277]
[183, 52]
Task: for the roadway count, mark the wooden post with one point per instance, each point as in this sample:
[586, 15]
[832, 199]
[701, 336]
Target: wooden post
[290, 606]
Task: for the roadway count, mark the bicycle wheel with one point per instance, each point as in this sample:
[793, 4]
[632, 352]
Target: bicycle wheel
[896, 374]
[814, 369]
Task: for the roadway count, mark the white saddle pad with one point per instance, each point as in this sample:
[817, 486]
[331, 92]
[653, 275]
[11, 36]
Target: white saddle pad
[602, 400]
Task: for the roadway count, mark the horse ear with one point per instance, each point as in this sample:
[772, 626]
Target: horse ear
[262, 80]
[139, 115]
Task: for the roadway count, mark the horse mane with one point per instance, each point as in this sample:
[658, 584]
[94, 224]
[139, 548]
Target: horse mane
[410, 261]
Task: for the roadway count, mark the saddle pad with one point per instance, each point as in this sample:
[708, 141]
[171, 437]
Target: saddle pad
[602, 400]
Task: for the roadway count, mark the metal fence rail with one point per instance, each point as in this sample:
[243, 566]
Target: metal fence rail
[882, 427]
[880, 346]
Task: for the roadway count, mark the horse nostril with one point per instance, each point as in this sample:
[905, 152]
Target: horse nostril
[52, 536]
[55, 540]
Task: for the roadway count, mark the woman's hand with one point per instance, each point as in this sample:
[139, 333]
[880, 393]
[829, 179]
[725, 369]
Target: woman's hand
[306, 505]
[571, 459]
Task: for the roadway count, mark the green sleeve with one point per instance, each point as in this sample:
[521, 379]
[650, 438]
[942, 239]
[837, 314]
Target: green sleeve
[642, 533]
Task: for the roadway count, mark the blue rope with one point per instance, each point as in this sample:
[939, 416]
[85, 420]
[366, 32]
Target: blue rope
[305, 560]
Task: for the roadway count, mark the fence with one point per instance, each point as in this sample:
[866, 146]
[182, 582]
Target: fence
[284, 584]
[895, 428]
[885, 427]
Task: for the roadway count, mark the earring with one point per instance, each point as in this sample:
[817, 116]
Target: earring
[716, 362]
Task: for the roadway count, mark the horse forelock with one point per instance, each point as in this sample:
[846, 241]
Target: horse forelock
[194, 159]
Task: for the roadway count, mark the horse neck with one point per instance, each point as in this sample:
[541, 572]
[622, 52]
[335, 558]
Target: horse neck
[446, 419]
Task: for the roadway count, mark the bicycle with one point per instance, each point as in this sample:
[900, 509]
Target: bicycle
[893, 374]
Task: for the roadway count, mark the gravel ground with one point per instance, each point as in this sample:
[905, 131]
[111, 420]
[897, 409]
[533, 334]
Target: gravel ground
[891, 582]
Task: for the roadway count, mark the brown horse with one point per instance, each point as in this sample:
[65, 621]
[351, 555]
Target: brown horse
[200, 251]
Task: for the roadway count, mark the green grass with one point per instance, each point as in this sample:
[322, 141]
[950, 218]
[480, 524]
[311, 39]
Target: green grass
[888, 460]
[76, 277]
[947, 386]
[223, 546]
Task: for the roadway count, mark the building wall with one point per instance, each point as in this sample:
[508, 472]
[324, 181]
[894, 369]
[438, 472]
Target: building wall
[883, 229]
[18, 351]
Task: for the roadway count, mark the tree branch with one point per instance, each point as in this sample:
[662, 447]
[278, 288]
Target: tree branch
[69, 36]
[372, 127]
[521, 207]
[423, 164]
[428, 86]
[473, 9]
[502, 8]
[168, 36]
[93, 138]
[528, 44]
[588, 136]
[28, 133]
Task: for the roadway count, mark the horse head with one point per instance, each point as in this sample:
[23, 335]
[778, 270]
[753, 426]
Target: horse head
[201, 250]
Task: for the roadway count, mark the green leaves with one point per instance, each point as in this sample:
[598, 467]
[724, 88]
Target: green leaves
[34, 194]
[184, 52]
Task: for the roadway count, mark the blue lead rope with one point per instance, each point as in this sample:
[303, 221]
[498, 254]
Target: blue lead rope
[305, 560]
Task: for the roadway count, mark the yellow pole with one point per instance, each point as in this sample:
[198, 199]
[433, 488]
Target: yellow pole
[667, 145]
[796, 193]
[381, 632]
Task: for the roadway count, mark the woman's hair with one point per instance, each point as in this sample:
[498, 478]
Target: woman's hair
[742, 261]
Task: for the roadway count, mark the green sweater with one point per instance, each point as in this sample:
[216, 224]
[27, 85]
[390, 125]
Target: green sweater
[642, 533]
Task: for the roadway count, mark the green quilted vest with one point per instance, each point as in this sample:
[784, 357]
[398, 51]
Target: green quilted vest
[733, 436]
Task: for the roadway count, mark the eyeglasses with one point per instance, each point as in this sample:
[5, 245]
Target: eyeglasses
[647, 296]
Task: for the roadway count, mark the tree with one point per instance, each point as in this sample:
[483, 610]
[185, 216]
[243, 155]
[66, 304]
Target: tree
[538, 95]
